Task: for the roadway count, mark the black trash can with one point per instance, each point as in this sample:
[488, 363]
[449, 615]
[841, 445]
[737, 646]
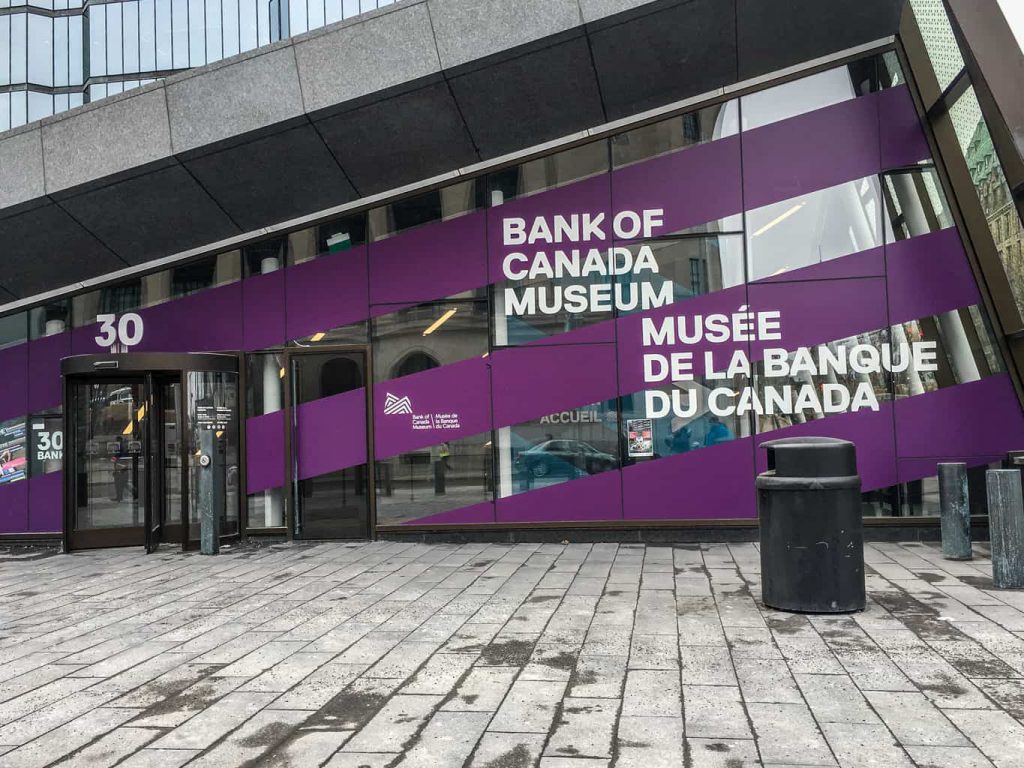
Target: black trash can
[812, 540]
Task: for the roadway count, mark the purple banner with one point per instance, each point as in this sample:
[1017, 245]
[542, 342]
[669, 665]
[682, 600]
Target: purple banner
[530, 382]
[811, 151]
[694, 186]
[44, 356]
[871, 431]
[327, 292]
[14, 507]
[430, 262]
[714, 483]
[330, 433]
[592, 197]
[264, 452]
[597, 497]
[902, 139]
[928, 275]
[45, 502]
[980, 418]
[431, 407]
[263, 311]
[14, 382]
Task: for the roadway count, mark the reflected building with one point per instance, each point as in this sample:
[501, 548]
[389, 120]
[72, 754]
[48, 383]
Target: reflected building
[59, 54]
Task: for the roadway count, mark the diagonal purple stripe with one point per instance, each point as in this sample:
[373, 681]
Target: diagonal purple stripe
[330, 433]
[264, 452]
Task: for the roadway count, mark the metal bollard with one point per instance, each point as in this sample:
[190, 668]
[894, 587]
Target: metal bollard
[207, 496]
[956, 512]
[1006, 526]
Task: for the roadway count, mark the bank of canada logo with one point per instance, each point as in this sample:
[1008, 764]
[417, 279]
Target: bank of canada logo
[394, 404]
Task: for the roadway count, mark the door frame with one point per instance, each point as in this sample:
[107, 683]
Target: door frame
[147, 367]
[290, 480]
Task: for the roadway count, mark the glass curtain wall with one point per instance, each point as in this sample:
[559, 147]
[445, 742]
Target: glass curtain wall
[58, 54]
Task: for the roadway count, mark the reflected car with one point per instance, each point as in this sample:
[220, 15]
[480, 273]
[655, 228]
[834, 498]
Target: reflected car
[553, 457]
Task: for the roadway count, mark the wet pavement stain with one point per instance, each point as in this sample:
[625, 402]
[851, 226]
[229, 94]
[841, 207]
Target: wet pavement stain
[511, 653]
[562, 660]
[517, 757]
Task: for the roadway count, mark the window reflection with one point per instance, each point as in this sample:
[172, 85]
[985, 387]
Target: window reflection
[993, 192]
[549, 172]
[13, 329]
[813, 228]
[807, 94]
[49, 319]
[647, 435]
[675, 134]
[426, 336]
[437, 205]
[435, 479]
[939, 40]
[914, 203]
[559, 447]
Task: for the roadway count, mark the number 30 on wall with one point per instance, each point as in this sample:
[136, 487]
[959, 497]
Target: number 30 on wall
[119, 333]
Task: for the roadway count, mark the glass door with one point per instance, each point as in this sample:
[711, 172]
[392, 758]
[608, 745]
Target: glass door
[109, 471]
[165, 452]
[329, 447]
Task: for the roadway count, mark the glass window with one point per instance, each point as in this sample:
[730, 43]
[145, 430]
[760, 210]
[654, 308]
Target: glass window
[265, 383]
[426, 336]
[559, 447]
[49, 319]
[5, 61]
[993, 191]
[265, 256]
[436, 205]
[130, 35]
[13, 329]
[687, 267]
[147, 35]
[164, 28]
[40, 50]
[807, 94]
[333, 236]
[679, 418]
[97, 40]
[40, 105]
[213, 428]
[248, 22]
[231, 20]
[13, 459]
[265, 509]
[549, 172]
[939, 40]
[60, 51]
[196, 33]
[804, 397]
[115, 44]
[914, 204]
[355, 333]
[19, 51]
[966, 350]
[814, 228]
[214, 31]
[675, 134]
[426, 482]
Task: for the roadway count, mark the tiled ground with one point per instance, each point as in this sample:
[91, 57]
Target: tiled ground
[575, 656]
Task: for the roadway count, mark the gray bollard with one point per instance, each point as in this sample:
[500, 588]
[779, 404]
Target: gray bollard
[956, 512]
[1006, 527]
[209, 519]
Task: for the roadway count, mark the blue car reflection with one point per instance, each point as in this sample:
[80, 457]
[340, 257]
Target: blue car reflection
[563, 457]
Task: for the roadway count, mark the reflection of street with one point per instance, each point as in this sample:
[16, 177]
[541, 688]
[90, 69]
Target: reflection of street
[404, 506]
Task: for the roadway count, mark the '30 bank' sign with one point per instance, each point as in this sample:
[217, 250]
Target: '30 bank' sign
[119, 333]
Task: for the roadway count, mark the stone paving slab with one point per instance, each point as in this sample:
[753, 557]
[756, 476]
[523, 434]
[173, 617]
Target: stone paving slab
[390, 654]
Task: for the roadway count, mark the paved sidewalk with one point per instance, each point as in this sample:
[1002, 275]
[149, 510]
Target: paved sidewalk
[578, 656]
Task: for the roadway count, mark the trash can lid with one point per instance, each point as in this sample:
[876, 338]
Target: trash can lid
[811, 457]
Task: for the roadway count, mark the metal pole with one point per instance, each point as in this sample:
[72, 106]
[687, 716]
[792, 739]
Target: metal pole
[956, 512]
[1006, 526]
[209, 519]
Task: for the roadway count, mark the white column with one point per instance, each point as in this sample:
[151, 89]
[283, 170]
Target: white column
[273, 502]
[954, 336]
